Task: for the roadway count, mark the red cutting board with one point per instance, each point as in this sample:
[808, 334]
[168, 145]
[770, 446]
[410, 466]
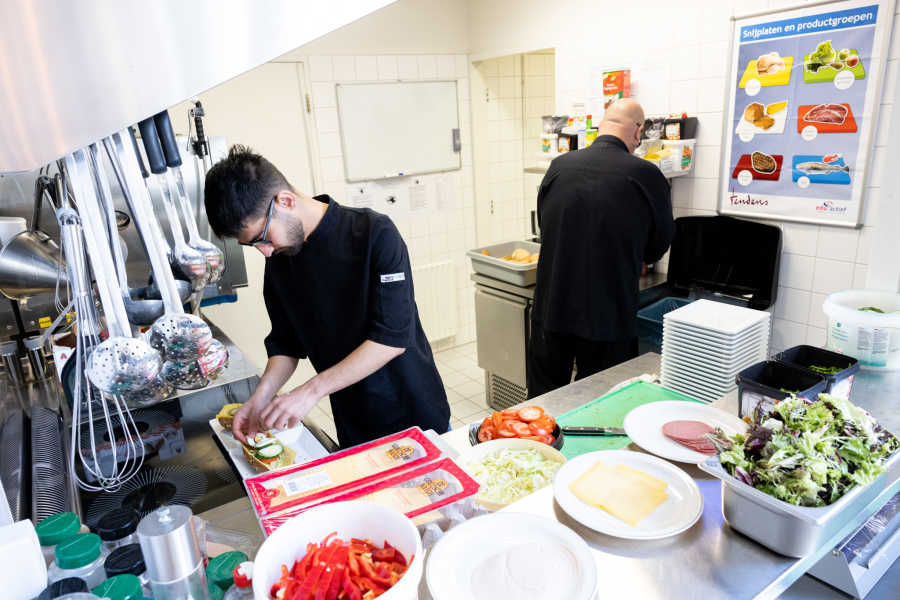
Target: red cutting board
[848, 126]
[744, 163]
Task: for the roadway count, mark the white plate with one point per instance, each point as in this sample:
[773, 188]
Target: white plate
[730, 352]
[459, 553]
[644, 423]
[710, 371]
[723, 385]
[749, 336]
[676, 514]
[693, 392]
[298, 438]
[717, 317]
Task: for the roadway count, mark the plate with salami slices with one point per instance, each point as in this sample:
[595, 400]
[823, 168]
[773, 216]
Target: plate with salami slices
[676, 430]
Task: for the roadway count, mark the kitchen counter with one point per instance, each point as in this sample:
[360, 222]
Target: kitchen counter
[646, 282]
[707, 561]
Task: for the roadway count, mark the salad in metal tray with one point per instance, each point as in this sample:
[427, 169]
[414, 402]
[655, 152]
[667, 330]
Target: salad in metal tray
[807, 453]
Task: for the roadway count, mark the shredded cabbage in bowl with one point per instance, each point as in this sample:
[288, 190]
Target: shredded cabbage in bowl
[507, 475]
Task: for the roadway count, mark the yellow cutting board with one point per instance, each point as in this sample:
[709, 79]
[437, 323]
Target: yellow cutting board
[780, 78]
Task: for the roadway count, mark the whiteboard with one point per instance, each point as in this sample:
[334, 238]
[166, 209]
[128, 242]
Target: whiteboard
[397, 128]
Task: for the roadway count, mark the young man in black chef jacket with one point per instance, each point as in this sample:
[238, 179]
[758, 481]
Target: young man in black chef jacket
[338, 289]
[603, 212]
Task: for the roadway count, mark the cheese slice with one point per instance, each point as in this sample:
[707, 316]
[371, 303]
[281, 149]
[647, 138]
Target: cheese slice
[623, 492]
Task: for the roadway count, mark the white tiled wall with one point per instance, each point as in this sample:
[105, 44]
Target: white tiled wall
[519, 89]
[816, 260]
[433, 238]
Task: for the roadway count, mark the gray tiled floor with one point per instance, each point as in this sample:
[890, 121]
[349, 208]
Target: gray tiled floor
[463, 380]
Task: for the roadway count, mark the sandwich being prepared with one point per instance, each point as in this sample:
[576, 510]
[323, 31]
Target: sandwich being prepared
[265, 452]
[226, 415]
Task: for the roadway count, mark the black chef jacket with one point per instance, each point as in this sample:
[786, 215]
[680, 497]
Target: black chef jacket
[349, 283]
[602, 212]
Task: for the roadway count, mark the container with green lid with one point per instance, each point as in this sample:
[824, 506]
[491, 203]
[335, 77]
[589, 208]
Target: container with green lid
[220, 569]
[78, 556]
[56, 528]
[120, 587]
[215, 592]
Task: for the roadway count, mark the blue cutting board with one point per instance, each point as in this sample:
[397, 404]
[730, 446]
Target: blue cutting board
[838, 177]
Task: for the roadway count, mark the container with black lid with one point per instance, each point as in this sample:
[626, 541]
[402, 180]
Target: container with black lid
[63, 587]
[128, 560]
[117, 528]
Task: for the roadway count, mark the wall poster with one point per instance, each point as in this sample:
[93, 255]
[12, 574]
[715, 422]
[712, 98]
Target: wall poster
[802, 103]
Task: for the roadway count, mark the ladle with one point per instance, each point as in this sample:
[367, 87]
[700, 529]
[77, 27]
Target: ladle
[190, 262]
[177, 335]
[215, 258]
[121, 363]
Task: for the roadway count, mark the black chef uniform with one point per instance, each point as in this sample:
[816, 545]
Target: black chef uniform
[602, 213]
[352, 282]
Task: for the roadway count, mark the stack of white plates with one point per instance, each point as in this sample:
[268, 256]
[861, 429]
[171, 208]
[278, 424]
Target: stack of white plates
[707, 343]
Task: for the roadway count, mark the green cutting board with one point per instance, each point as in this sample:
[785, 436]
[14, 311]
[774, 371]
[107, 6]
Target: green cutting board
[826, 73]
[610, 411]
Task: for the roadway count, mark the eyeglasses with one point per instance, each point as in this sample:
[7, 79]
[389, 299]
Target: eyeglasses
[261, 240]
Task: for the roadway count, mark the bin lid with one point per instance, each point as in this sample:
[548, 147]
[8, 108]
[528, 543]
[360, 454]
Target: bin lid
[726, 255]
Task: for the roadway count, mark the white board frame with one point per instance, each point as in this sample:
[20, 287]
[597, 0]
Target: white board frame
[871, 107]
[347, 131]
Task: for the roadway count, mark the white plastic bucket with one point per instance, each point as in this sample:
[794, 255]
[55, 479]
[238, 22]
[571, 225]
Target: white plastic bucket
[870, 337]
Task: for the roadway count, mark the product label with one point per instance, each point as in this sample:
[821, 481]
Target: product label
[313, 481]
[750, 400]
[393, 277]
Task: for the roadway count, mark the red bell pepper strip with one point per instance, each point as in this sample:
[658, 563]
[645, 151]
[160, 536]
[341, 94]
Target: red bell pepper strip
[320, 563]
[353, 563]
[386, 553]
[350, 588]
[335, 560]
[301, 567]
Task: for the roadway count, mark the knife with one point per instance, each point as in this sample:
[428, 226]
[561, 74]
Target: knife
[593, 430]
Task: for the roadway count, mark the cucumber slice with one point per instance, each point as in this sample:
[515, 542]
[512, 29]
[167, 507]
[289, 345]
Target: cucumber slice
[233, 411]
[269, 452]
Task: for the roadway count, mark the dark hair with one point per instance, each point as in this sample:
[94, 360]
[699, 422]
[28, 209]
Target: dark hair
[238, 187]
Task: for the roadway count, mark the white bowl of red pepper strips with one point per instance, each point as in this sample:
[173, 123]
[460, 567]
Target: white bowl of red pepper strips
[343, 550]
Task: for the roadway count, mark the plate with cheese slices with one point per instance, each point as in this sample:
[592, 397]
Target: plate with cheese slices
[627, 494]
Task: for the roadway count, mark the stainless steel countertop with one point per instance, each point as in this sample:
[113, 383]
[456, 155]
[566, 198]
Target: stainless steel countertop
[708, 561]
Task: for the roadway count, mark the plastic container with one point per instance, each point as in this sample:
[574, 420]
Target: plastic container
[117, 528]
[78, 556]
[120, 587]
[63, 589]
[870, 337]
[25, 576]
[128, 560]
[680, 158]
[349, 519]
[650, 321]
[771, 381]
[805, 357]
[55, 529]
[549, 143]
[220, 569]
[787, 529]
[243, 583]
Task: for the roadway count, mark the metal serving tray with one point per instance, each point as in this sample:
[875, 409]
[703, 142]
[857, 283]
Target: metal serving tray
[787, 529]
[494, 266]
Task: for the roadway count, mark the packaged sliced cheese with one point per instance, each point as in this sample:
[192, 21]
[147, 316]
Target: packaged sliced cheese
[622, 491]
[419, 494]
[339, 472]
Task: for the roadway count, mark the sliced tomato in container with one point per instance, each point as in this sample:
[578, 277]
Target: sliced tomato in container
[530, 413]
[520, 428]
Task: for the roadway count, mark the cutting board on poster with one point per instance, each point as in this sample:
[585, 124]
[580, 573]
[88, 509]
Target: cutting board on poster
[782, 77]
[827, 73]
[848, 126]
[838, 177]
[744, 163]
[610, 411]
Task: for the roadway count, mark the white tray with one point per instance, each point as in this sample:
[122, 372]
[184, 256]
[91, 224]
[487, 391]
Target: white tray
[717, 317]
[299, 439]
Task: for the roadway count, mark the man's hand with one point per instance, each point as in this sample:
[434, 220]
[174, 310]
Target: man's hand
[246, 420]
[286, 410]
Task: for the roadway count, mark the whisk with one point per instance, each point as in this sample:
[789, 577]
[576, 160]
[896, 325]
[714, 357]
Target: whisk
[115, 417]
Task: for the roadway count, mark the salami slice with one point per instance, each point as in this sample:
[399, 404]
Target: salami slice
[690, 434]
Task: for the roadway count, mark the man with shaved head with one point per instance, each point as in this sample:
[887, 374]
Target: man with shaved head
[603, 212]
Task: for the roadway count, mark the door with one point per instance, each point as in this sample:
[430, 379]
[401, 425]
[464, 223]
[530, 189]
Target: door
[265, 110]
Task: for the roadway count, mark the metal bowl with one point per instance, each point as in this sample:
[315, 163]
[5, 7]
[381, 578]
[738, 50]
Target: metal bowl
[558, 436]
